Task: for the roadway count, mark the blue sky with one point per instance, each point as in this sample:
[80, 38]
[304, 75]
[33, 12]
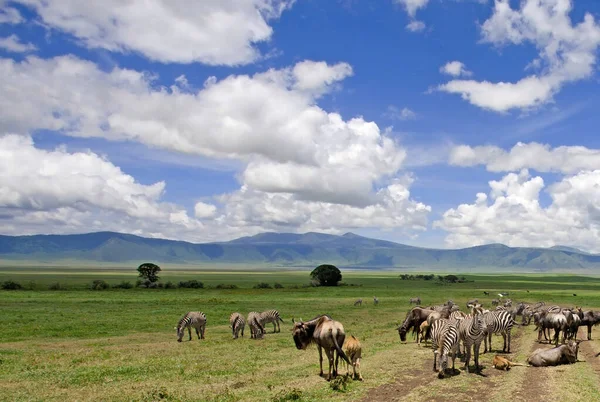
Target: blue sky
[216, 119]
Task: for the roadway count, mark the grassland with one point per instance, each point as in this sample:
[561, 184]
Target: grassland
[79, 344]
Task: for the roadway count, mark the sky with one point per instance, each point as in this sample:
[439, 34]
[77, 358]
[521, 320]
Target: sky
[436, 123]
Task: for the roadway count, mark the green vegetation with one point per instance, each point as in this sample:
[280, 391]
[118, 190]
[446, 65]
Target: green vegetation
[149, 271]
[119, 343]
[327, 275]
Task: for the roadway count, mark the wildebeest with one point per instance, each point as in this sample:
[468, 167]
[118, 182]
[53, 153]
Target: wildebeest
[495, 302]
[353, 350]
[413, 319]
[415, 300]
[327, 334]
[486, 293]
[563, 354]
[589, 318]
[358, 302]
[556, 321]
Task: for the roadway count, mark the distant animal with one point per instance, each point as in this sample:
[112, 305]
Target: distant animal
[358, 302]
[237, 324]
[528, 291]
[256, 328]
[271, 316]
[502, 363]
[415, 300]
[327, 334]
[353, 350]
[191, 319]
[574, 294]
[563, 354]
[375, 300]
[486, 293]
[495, 302]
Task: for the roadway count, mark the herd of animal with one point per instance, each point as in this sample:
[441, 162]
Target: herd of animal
[445, 326]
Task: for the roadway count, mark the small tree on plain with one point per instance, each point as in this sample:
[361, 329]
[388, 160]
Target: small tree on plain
[149, 271]
[327, 275]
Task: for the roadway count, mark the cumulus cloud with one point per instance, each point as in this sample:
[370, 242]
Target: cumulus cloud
[204, 210]
[395, 113]
[415, 26]
[215, 32]
[540, 157]
[13, 44]
[567, 53]
[455, 69]
[412, 6]
[9, 15]
[512, 213]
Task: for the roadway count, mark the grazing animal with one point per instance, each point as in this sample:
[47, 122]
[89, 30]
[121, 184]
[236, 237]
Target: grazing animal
[358, 302]
[256, 328]
[237, 324]
[415, 300]
[495, 302]
[563, 354]
[413, 319]
[375, 300]
[423, 332]
[502, 363]
[353, 350]
[589, 318]
[444, 340]
[271, 316]
[191, 319]
[327, 334]
[574, 294]
[486, 293]
[472, 331]
[498, 322]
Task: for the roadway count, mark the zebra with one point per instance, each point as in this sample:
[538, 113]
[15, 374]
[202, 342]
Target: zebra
[444, 340]
[415, 300]
[191, 319]
[271, 316]
[375, 300]
[358, 302]
[499, 321]
[256, 328]
[472, 331]
[238, 323]
[457, 315]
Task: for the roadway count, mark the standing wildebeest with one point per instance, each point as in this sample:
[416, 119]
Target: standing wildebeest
[358, 302]
[413, 319]
[556, 321]
[563, 354]
[415, 300]
[589, 318]
[328, 334]
[486, 293]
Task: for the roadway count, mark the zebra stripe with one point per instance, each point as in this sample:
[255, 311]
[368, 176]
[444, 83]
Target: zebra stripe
[271, 316]
[196, 319]
[238, 323]
[444, 340]
[256, 328]
[472, 331]
[498, 322]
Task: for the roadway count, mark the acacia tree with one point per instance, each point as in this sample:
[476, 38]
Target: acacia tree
[149, 271]
[327, 275]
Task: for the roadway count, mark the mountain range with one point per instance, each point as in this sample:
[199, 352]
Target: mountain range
[291, 250]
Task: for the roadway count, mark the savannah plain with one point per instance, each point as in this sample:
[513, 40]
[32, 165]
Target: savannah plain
[119, 344]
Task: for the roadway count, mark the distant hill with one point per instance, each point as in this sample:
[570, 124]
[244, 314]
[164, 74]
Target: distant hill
[290, 249]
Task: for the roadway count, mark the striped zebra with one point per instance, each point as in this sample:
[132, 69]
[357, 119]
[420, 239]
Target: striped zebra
[472, 331]
[256, 328]
[498, 322]
[191, 319]
[271, 316]
[444, 340]
[457, 315]
[358, 302]
[238, 323]
[375, 300]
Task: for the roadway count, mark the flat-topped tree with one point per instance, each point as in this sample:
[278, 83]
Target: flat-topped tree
[327, 275]
[149, 271]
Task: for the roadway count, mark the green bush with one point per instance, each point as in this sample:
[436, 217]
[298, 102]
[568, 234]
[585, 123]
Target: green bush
[11, 285]
[99, 284]
[170, 285]
[193, 284]
[56, 286]
[263, 285]
[123, 285]
[226, 286]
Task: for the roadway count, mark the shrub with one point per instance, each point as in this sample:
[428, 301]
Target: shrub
[278, 286]
[263, 285]
[327, 275]
[11, 285]
[153, 285]
[123, 285]
[99, 284]
[56, 286]
[170, 285]
[193, 284]
[226, 286]
[143, 283]
[339, 383]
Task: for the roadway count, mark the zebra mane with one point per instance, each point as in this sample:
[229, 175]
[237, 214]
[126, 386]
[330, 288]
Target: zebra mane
[182, 319]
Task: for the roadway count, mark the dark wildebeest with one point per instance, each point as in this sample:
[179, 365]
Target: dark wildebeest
[415, 300]
[413, 320]
[563, 354]
[328, 334]
[556, 321]
[589, 318]
[486, 293]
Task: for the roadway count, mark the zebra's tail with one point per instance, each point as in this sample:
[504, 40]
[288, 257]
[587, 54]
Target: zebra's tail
[338, 348]
[280, 319]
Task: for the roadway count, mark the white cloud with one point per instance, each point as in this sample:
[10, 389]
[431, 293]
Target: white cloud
[540, 157]
[204, 210]
[567, 51]
[455, 69]
[9, 15]
[415, 26]
[396, 113]
[215, 32]
[412, 6]
[13, 44]
[511, 214]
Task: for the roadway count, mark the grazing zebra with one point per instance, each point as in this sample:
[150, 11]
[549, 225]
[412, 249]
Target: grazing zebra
[472, 331]
[238, 323]
[256, 328]
[444, 340]
[415, 300]
[375, 300]
[358, 302]
[498, 322]
[271, 316]
[191, 319]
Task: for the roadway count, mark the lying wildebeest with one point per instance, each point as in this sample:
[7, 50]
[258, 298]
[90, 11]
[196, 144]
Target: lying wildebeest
[413, 319]
[353, 350]
[415, 300]
[563, 354]
[327, 334]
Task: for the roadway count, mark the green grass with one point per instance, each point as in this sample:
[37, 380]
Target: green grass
[121, 345]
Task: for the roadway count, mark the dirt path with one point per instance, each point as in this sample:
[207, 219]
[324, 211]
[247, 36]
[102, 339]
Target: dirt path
[534, 383]
[587, 351]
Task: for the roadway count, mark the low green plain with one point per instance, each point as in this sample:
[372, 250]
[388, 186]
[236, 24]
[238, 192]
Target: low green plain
[119, 344]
